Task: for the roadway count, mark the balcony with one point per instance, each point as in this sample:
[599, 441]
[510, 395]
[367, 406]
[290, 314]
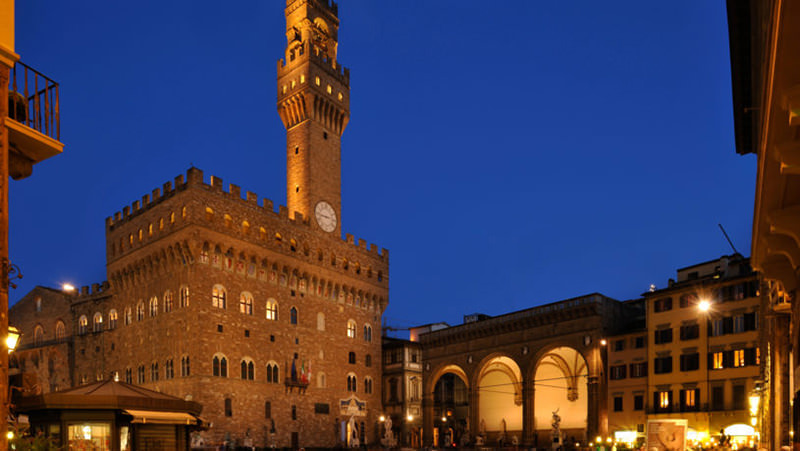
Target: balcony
[33, 122]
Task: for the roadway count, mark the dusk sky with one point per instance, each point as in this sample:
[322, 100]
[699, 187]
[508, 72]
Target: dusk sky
[507, 154]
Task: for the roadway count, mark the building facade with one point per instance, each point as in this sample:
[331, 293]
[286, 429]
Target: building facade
[703, 349]
[506, 379]
[268, 319]
[402, 389]
[764, 43]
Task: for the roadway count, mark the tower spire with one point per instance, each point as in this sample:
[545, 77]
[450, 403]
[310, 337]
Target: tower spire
[314, 105]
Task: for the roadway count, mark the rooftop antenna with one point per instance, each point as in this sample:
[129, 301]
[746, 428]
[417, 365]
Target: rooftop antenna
[728, 238]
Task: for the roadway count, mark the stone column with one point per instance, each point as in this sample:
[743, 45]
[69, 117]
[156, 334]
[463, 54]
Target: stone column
[474, 410]
[427, 419]
[528, 413]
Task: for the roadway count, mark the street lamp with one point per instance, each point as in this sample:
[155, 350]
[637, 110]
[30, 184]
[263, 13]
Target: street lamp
[12, 339]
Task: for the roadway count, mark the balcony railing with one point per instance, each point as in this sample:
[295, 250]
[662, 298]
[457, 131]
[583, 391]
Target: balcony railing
[33, 100]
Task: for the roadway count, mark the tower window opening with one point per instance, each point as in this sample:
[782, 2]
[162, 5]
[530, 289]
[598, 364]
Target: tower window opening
[340, 96]
[330, 89]
[296, 150]
[317, 80]
[284, 89]
[302, 79]
[294, 84]
[297, 188]
[324, 135]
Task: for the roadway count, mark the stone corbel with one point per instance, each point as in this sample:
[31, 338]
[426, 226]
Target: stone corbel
[786, 221]
[783, 245]
[777, 267]
[788, 155]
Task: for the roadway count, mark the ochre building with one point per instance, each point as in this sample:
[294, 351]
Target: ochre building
[269, 319]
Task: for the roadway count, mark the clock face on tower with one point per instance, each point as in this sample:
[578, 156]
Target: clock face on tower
[326, 216]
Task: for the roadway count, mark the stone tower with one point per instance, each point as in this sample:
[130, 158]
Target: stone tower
[314, 105]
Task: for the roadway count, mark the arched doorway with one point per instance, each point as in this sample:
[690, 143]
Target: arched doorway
[560, 384]
[450, 407]
[500, 401]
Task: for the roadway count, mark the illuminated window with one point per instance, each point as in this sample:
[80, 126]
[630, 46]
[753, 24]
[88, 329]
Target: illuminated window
[83, 325]
[61, 330]
[272, 310]
[663, 399]
[330, 89]
[218, 297]
[738, 358]
[184, 295]
[161, 224]
[245, 227]
[140, 311]
[172, 217]
[112, 319]
[718, 361]
[294, 84]
[130, 239]
[97, 322]
[228, 220]
[284, 89]
[262, 233]
[150, 230]
[246, 303]
[168, 301]
[689, 399]
[209, 214]
[302, 79]
[153, 307]
[140, 234]
[317, 80]
[340, 96]
[183, 212]
[351, 329]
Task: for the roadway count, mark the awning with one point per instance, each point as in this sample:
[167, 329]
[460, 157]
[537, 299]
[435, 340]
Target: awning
[156, 417]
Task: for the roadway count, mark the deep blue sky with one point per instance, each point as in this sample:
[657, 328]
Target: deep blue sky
[508, 154]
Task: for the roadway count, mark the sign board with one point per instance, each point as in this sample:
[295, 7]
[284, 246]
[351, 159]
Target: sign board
[352, 406]
[667, 435]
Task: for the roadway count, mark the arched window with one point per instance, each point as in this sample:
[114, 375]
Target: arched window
[38, 304]
[219, 366]
[293, 316]
[185, 369]
[351, 357]
[38, 335]
[183, 212]
[272, 373]
[246, 303]
[97, 322]
[83, 325]
[112, 319]
[168, 301]
[209, 214]
[320, 321]
[204, 253]
[140, 374]
[367, 332]
[153, 307]
[352, 382]
[61, 330]
[140, 311]
[272, 309]
[128, 316]
[218, 297]
[368, 360]
[248, 369]
[228, 220]
[153, 371]
[184, 295]
[245, 227]
[262, 234]
[351, 329]
[368, 385]
[169, 369]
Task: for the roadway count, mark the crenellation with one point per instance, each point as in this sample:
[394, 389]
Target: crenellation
[349, 238]
[156, 195]
[167, 188]
[216, 183]
[126, 212]
[135, 206]
[251, 197]
[235, 191]
[117, 216]
[179, 180]
[361, 243]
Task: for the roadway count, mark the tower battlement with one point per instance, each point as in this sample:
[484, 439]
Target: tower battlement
[329, 4]
[194, 178]
[306, 50]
